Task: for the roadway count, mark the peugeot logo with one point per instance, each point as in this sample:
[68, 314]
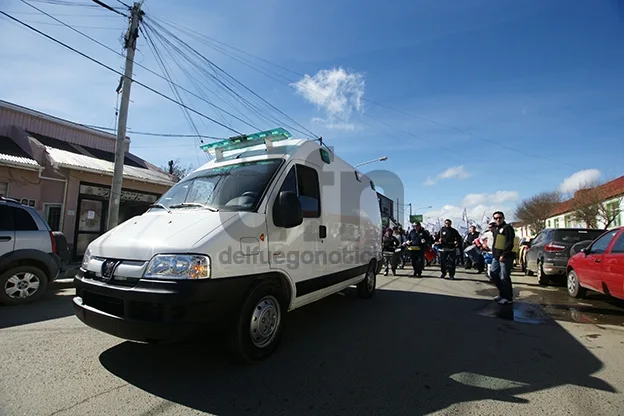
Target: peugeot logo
[108, 269]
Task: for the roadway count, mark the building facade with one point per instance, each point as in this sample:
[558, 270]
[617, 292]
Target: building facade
[613, 194]
[64, 170]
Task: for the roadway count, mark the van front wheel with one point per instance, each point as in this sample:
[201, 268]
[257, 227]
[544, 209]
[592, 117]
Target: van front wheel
[259, 326]
[366, 288]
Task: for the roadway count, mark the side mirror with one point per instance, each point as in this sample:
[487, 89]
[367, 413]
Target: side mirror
[586, 250]
[287, 211]
[526, 243]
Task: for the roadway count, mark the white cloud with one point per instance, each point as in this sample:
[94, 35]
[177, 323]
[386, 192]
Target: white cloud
[579, 179]
[458, 172]
[498, 197]
[337, 92]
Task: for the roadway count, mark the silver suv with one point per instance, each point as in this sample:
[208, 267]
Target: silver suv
[31, 255]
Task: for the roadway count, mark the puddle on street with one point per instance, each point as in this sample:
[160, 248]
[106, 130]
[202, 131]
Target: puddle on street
[540, 306]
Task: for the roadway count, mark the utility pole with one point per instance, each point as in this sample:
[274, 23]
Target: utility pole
[397, 217]
[120, 151]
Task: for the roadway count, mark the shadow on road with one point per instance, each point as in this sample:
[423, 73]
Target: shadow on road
[401, 353]
[56, 303]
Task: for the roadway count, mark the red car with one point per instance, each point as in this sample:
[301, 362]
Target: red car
[599, 266]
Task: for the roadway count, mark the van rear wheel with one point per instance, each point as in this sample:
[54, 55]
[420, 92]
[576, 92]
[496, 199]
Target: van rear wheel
[259, 325]
[366, 288]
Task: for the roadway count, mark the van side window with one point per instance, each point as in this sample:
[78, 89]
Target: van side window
[304, 182]
[309, 191]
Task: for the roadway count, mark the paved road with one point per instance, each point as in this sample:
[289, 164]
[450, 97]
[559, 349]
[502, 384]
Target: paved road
[420, 346]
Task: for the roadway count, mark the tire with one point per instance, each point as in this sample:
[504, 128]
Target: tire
[575, 289]
[32, 281]
[527, 272]
[523, 266]
[366, 288]
[542, 279]
[262, 314]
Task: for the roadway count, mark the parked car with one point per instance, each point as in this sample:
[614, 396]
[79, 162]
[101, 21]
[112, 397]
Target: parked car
[31, 255]
[599, 266]
[196, 262]
[547, 255]
[524, 245]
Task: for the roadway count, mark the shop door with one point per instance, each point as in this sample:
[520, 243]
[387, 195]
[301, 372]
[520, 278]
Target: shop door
[91, 224]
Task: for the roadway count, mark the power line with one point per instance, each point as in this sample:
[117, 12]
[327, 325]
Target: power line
[117, 72]
[234, 79]
[137, 64]
[449, 126]
[143, 133]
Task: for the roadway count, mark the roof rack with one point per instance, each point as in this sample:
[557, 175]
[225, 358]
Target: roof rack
[6, 198]
[243, 141]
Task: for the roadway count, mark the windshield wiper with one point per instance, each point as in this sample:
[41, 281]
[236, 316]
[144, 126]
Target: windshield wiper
[160, 206]
[193, 204]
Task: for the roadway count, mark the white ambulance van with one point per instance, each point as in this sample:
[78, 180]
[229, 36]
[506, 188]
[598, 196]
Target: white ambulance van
[270, 224]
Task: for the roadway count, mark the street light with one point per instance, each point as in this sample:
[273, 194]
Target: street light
[379, 159]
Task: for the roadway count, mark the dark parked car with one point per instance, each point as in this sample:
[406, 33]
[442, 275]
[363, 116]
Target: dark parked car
[548, 253]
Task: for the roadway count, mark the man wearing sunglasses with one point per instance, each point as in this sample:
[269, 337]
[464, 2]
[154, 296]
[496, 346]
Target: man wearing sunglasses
[503, 258]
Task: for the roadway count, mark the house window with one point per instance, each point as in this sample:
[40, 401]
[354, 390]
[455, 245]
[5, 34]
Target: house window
[53, 217]
[568, 221]
[549, 223]
[614, 212]
[4, 188]
[556, 223]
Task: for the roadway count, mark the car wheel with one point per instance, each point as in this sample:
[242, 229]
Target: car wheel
[366, 288]
[259, 326]
[22, 284]
[523, 266]
[542, 279]
[574, 286]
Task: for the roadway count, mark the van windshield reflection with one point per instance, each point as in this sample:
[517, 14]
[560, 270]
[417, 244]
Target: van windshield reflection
[236, 187]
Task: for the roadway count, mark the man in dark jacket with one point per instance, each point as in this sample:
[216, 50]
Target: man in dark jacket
[418, 241]
[448, 240]
[503, 258]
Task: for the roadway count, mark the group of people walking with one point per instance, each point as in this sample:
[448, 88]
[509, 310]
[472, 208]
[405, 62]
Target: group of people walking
[497, 242]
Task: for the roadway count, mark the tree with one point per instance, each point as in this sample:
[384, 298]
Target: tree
[176, 169]
[593, 203]
[533, 211]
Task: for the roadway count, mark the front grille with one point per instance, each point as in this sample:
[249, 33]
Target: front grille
[107, 304]
[116, 281]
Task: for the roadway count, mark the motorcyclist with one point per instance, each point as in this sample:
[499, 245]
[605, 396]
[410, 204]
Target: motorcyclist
[418, 242]
[390, 245]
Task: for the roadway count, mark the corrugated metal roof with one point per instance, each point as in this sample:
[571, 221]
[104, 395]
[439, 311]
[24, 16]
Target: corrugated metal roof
[17, 160]
[76, 161]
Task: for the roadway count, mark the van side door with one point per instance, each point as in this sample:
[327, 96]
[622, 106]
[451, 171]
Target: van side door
[296, 251]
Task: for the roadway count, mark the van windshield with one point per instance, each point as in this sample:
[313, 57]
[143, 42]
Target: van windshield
[229, 188]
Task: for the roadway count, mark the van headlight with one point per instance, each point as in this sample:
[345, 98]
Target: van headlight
[178, 266]
[86, 259]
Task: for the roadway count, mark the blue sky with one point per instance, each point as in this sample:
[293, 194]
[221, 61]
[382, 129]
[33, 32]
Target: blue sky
[511, 98]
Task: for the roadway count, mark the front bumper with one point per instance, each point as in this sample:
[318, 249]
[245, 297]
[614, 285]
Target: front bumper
[149, 310]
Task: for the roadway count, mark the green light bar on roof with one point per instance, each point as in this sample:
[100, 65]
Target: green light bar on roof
[240, 142]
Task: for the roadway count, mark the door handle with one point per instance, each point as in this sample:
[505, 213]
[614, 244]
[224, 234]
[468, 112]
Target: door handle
[322, 231]
[5, 238]
[597, 260]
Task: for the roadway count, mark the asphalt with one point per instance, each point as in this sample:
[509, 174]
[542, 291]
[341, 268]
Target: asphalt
[420, 346]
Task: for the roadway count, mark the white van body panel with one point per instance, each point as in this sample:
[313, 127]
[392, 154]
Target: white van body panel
[248, 243]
